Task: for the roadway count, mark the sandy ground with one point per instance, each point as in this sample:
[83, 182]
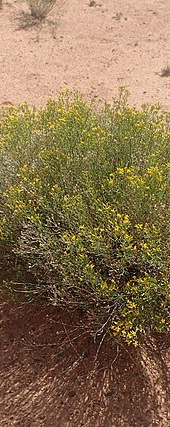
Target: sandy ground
[49, 377]
[48, 374]
[92, 49]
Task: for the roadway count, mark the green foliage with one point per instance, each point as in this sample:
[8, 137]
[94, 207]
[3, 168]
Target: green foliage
[85, 205]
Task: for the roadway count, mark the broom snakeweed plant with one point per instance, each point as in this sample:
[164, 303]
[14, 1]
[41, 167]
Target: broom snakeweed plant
[85, 208]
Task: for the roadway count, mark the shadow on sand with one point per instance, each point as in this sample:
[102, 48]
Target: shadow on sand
[49, 375]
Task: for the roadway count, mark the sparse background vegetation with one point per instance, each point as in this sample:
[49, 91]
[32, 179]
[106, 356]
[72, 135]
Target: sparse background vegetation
[165, 72]
[39, 11]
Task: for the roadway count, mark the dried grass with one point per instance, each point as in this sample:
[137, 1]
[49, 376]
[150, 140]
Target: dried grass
[39, 9]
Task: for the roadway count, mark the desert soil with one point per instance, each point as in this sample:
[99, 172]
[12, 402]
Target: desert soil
[49, 375]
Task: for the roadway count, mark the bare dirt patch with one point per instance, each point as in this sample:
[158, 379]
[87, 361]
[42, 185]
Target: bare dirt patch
[49, 376]
[93, 49]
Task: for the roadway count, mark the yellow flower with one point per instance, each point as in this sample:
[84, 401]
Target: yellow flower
[126, 220]
[139, 226]
[144, 246]
[131, 305]
[51, 126]
[120, 171]
[104, 285]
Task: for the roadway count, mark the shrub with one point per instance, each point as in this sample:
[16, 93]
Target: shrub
[165, 72]
[85, 207]
[39, 9]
